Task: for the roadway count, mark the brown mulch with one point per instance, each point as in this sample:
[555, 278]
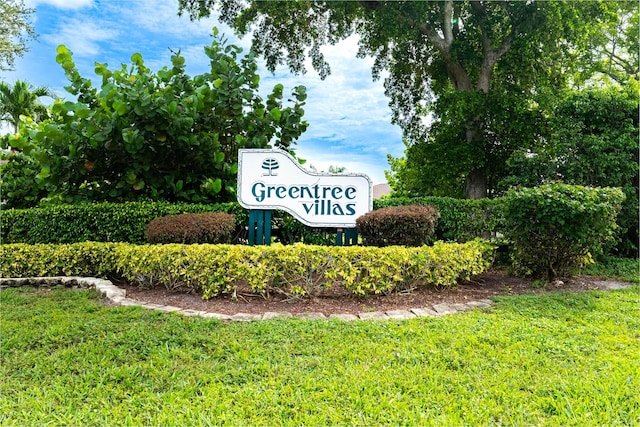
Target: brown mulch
[487, 285]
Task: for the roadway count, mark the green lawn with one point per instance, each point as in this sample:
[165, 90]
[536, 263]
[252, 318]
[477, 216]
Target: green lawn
[67, 359]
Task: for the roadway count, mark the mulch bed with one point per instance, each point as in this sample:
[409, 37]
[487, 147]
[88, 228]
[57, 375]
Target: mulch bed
[487, 285]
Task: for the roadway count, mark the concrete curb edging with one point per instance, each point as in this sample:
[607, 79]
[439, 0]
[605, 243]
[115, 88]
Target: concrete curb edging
[118, 296]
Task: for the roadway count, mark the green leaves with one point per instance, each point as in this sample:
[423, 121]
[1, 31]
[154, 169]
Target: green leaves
[102, 222]
[276, 114]
[556, 227]
[160, 135]
[45, 172]
[215, 269]
[593, 141]
[120, 107]
[212, 186]
[63, 54]
[136, 58]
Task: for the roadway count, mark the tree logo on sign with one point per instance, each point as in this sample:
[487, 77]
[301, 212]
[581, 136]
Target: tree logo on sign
[270, 165]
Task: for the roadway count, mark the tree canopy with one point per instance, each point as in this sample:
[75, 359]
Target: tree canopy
[157, 135]
[15, 31]
[614, 47]
[475, 52]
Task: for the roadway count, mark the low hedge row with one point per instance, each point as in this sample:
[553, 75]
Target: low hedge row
[460, 221]
[215, 269]
[100, 222]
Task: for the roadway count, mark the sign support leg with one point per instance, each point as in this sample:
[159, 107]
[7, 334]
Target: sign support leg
[347, 237]
[259, 227]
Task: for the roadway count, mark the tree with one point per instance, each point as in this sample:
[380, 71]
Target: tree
[160, 136]
[429, 49]
[21, 99]
[593, 142]
[15, 31]
[439, 165]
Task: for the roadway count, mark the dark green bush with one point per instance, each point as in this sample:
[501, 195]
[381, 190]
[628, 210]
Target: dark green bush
[460, 220]
[399, 225]
[556, 227]
[100, 222]
[207, 227]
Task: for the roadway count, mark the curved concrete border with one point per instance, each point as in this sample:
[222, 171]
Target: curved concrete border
[118, 296]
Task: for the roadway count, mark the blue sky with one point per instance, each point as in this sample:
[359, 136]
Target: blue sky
[348, 114]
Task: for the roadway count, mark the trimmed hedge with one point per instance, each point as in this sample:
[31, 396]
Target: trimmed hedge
[100, 222]
[42, 260]
[460, 220]
[398, 225]
[554, 228]
[207, 227]
[214, 269]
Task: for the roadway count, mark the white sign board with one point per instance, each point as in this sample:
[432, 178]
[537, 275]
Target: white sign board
[273, 179]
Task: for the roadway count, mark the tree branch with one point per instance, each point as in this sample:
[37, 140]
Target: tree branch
[447, 22]
[490, 54]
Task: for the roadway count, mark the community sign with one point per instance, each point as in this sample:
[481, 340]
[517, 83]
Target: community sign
[273, 179]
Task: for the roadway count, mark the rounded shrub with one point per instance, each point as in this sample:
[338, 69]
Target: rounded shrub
[208, 227]
[556, 227]
[398, 225]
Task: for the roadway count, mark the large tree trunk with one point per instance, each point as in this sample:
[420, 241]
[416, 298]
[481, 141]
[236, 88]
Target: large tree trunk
[475, 186]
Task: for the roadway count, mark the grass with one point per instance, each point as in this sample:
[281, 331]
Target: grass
[562, 359]
[626, 269]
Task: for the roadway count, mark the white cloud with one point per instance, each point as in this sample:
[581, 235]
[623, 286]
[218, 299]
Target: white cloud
[84, 38]
[348, 114]
[60, 4]
[161, 18]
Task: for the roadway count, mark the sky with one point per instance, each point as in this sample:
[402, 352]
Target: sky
[348, 113]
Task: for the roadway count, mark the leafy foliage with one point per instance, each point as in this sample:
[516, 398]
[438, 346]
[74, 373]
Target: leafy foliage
[460, 220]
[556, 227]
[214, 269]
[610, 267]
[411, 225]
[160, 136]
[101, 222]
[613, 51]
[438, 165]
[15, 31]
[21, 99]
[19, 187]
[205, 227]
[89, 259]
[593, 142]
[288, 230]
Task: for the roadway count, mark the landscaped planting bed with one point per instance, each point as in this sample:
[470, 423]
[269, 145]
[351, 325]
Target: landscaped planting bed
[211, 270]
